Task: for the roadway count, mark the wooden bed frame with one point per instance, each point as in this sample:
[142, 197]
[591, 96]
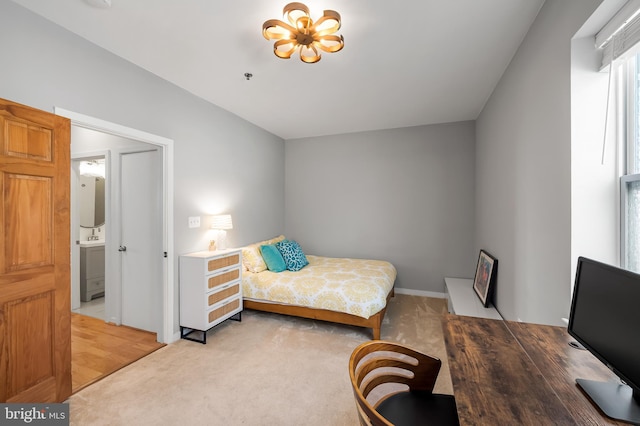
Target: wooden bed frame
[374, 322]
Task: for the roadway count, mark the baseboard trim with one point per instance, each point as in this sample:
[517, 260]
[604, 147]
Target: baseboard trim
[422, 293]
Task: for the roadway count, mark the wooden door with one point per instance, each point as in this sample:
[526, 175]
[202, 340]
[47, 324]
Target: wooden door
[35, 314]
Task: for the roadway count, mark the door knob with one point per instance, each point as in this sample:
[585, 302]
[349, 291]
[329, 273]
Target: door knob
[122, 248]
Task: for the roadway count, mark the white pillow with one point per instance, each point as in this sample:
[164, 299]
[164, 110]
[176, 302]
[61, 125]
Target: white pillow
[252, 258]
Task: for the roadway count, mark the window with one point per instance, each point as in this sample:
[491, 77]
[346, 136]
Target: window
[619, 42]
[630, 180]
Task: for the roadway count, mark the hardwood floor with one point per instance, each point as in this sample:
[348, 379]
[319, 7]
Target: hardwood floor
[99, 349]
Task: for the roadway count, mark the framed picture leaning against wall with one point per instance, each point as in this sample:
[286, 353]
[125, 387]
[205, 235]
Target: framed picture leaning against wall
[485, 278]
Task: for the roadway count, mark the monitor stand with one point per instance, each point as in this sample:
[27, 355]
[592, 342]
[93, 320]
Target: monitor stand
[614, 399]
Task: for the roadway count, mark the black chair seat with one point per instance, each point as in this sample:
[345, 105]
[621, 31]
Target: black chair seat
[419, 408]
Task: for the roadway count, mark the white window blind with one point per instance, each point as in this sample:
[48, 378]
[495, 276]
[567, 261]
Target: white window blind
[621, 33]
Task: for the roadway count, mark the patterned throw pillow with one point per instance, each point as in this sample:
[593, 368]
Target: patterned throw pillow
[252, 260]
[292, 254]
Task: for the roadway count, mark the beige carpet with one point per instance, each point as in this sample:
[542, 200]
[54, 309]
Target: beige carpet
[266, 370]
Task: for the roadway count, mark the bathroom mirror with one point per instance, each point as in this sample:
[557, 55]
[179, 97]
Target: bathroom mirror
[91, 201]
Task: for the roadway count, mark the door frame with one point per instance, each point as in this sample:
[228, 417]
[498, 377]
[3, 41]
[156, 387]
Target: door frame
[75, 217]
[166, 147]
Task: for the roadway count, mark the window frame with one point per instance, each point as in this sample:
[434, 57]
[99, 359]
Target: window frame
[625, 181]
[628, 121]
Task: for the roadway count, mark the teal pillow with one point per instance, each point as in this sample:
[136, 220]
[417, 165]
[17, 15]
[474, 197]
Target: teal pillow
[273, 258]
[292, 254]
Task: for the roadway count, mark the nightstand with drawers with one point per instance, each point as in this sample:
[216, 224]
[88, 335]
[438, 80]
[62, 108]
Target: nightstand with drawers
[210, 290]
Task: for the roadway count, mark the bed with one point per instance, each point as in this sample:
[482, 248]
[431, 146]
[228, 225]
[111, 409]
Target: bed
[340, 290]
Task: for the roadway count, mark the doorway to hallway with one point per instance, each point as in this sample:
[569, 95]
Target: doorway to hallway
[120, 256]
[164, 147]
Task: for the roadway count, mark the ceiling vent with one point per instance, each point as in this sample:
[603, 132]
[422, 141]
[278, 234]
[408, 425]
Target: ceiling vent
[101, 4]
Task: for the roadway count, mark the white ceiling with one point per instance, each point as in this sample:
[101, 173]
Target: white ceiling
[405, 63]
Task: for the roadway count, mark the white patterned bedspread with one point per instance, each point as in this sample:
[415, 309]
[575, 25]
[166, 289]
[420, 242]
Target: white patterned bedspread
[354, 286]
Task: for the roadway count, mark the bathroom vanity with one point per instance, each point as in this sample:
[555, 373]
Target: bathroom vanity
[91, 270]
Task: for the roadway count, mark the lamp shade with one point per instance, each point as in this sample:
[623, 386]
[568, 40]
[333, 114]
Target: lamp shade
[221, 221]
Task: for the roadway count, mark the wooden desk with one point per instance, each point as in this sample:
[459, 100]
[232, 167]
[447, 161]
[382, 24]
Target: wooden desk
[509, 373]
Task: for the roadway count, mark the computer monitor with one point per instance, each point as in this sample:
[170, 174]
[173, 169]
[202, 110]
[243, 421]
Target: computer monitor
[605, 319]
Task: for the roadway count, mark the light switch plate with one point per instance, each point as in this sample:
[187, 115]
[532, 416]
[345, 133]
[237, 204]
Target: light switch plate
[194, 222]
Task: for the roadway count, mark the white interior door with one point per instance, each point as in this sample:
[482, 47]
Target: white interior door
[75, 237]
[141, 239]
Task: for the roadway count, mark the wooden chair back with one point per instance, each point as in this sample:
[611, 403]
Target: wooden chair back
[396, 367]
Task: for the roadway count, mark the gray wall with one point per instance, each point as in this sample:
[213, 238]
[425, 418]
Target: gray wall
[403, 195]
[406, 195]
[594, 176]
[222, 163]
[523, 169]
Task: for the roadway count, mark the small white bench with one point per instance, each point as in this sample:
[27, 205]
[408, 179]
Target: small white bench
[463, 300]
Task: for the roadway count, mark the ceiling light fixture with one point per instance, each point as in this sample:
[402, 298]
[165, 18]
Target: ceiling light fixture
[94, 168]
[303, 34]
